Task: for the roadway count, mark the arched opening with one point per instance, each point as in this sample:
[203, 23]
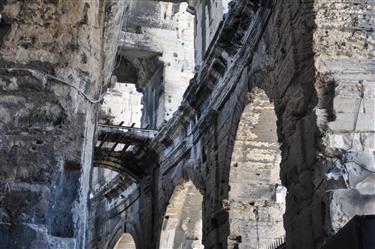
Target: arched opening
[182, 225]
[256, 196]
[126, 241]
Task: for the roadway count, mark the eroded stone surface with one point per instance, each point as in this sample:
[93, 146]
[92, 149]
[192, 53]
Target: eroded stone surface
[283, 94]
[52, 72]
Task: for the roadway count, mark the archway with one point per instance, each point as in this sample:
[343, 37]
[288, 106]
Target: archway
[126, 241]
[182, 225]
[256, 196]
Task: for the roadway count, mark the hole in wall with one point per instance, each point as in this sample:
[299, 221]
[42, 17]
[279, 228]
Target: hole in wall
[4, 29]
[71, 165]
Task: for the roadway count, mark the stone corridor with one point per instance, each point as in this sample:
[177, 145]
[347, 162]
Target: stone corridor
[187, 124]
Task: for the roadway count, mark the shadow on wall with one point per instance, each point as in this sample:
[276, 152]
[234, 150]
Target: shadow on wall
[64, 194]
[182, 225]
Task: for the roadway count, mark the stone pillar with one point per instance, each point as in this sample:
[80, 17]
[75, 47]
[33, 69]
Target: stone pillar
[321, 60]
[54, 57]
[344, 60]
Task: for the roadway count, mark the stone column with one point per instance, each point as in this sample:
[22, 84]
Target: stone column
[55, 56]
[344, 59]
[322, 65]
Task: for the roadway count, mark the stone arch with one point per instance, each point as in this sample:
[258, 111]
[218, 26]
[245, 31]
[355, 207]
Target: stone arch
[126, 241]
[256, 198]
[182, 224]
[124, 234]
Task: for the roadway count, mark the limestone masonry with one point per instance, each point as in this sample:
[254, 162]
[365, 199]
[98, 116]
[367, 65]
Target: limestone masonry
[148, 124]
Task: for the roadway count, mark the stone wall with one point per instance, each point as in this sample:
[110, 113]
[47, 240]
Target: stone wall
[122, 103]
[159, 36]
[56, 57]
[182, 224]
[256, 201]
[310, 62]
[113, 215]
[344, 58]
[208, 15]
[288, 50]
